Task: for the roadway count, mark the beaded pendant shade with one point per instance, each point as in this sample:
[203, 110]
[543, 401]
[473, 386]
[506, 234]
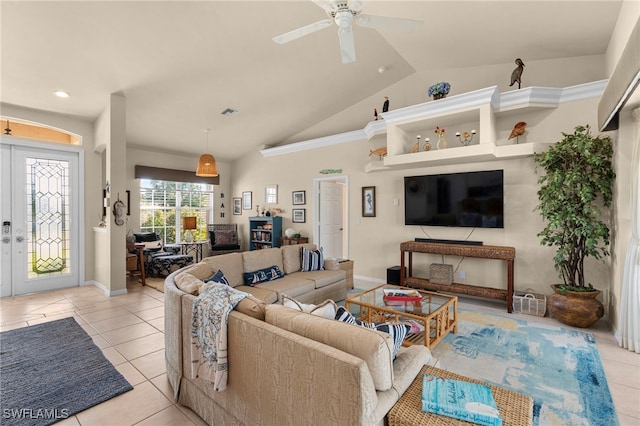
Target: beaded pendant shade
[207, 163]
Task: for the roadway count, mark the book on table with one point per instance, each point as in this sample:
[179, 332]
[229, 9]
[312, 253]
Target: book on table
[399, 297]
[467, 401]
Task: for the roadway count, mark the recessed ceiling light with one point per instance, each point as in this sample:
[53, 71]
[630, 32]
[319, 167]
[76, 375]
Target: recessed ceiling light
[61, 94]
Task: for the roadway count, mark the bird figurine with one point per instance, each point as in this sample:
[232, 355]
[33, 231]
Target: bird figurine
[380, 152]
[385, 105]
[518, 130]
[516, 75]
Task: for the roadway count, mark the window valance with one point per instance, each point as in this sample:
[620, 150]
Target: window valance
[172, 175]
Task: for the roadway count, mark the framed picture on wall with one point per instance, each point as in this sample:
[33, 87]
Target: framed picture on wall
[299, 198]
[298, 215]
[246, 200]
[237, 205]
[368, 201]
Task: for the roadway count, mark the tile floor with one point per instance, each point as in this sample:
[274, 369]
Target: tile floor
[129, 330]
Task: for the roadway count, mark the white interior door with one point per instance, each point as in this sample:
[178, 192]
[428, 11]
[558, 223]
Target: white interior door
[332, 218]
[40, 219]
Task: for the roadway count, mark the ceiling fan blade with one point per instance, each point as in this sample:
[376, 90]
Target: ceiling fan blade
[356, 5]
[302, 31]
[326, 5]
[347, 45]
[387, 23]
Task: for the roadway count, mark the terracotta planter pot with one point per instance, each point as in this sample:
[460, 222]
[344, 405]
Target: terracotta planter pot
[575, 308]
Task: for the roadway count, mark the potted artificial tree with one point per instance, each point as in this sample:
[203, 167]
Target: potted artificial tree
[576, 186]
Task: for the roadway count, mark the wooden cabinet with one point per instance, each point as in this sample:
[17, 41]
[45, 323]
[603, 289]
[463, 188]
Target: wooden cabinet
[265, 232]
[286, 241]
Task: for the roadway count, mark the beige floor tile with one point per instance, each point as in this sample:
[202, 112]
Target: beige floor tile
[171, 416]
[130, 373]
[150, 314]
[143, 305]
[142, 346]
[151, 365]
[162, 383]
[99, 314]
[197, 420]
[13, 326]
[126, 409]
[55, 308]
[115, 323]
[157, 323]
[113, 355]
[128, 333]
[610, 351]
[100, 342]
[628, 420]
[625, 399]
[617, 372]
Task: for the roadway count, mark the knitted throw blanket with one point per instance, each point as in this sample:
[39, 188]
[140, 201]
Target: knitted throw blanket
[209, 333]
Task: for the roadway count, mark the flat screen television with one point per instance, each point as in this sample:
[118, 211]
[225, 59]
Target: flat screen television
[470, 199]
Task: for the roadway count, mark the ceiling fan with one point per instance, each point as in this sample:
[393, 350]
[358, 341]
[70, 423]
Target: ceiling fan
[344, 13]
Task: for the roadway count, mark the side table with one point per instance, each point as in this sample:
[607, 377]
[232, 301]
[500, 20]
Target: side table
[195, 247]
[139, 247]
[347, 266]
[286, 241]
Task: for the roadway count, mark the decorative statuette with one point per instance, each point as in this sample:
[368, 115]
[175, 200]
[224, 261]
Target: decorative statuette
[466, 137]
[427, 145]
[416, 147]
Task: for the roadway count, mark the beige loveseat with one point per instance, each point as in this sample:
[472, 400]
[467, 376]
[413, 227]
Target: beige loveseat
[287, 367]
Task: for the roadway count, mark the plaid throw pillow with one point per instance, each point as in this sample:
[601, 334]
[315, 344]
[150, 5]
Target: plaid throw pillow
[312, 260]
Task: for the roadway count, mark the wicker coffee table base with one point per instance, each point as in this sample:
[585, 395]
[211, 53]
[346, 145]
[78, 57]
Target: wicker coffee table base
[516, 409]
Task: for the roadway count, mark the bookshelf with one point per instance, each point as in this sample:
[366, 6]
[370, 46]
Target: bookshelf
[265, 232]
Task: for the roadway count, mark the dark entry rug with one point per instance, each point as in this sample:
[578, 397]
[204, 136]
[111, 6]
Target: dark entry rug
[51, 371]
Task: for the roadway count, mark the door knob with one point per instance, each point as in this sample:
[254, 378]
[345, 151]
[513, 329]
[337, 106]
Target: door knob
[19, 239]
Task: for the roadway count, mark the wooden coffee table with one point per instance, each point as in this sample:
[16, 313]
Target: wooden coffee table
[438, 313]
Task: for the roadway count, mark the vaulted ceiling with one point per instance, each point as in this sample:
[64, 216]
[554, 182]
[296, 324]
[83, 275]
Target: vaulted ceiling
[179, 64]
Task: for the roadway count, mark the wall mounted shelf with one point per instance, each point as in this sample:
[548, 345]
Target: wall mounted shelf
[484, 110]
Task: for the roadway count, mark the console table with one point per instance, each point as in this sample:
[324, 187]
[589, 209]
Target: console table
[506, 254]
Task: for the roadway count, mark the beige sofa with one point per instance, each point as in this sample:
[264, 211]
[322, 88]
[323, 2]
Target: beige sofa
[286, 366]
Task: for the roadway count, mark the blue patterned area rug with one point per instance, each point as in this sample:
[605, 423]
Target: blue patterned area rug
[559, 368]
[52, 371]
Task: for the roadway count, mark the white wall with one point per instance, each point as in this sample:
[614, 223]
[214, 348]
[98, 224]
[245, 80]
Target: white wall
[375, 242]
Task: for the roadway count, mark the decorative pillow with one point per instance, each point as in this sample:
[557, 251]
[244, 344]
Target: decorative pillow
[267, 274]
[312, 260]
[152, 245]
[397, 331]
[225, 237]
[218, 277]
[326, 309]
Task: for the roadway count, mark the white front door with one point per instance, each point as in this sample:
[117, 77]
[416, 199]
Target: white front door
[40, 219]
[331, 218]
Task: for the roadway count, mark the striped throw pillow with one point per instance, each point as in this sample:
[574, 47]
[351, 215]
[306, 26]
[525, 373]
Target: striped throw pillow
[312, 260]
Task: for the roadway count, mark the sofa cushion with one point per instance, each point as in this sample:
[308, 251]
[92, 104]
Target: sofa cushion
[261, 293]
[312, 260]
[263, 275]
[322, 278]
[188, 283]
[292, 286]
[326, 309]
[199, 270]
[291, 256]
[144, 237]
[218, 277]
[397, 331]
[230, 264]
[260, 259]
[372, 346]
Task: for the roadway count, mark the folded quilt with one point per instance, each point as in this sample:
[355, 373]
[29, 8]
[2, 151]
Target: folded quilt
[209, 333]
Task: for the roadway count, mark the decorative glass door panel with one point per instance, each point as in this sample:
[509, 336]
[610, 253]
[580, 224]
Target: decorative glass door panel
[40, 248]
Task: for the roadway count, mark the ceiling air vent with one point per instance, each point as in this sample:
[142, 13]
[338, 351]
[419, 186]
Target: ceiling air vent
[229, 112]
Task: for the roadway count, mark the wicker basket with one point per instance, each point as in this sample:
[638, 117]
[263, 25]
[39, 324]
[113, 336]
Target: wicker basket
[441, 273]
[530, 303]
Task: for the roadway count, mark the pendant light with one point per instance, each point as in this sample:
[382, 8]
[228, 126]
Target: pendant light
[207, 163]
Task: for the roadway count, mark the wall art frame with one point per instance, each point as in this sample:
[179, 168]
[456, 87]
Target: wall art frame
[299, 198]
[246, 200]
[368, 201]
[237, 205]
[298, 215]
